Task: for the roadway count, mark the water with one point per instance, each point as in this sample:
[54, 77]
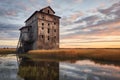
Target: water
[8, 67]
[52, 70]
[88, 70]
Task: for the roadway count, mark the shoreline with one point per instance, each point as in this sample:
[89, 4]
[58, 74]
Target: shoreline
[97, 54]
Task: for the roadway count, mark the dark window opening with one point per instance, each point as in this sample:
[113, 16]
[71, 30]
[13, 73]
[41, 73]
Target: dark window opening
[48, 30]
[42, 17]
[42, 36]
[42, 28]
[48, 38]
[54, 23]
[48, 24]
[55, 37]
[54, 30]
[28, 29]
[48, 11]
[42, 24]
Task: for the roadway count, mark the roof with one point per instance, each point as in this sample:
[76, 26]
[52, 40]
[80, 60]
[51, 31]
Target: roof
[32, 15]
[24, 27]
[42, 12]
[47, 7]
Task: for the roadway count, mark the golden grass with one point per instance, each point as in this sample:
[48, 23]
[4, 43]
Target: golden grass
[7, 51]
[65, 54]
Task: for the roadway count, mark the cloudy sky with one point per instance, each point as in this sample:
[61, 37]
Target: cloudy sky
[84, 23]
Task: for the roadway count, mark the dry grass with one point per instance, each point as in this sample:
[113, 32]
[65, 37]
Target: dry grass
[68, 54]
[7, 51]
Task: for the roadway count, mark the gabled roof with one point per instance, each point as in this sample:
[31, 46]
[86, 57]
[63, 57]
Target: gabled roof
[24, 27]
[32, 15]
[42, 12]
[47, 7]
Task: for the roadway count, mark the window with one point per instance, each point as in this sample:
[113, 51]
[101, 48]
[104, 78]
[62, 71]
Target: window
[42, 17]
[48, 38]
[48, 30]
[42, 24]
[48, 24]
[54, 30]
[54, 23]
[42, 36]
[42, 28]
[54, 37]
[28, 29]
[48, 11]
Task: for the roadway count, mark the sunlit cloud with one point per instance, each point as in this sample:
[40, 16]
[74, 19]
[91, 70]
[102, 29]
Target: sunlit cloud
[83, 24]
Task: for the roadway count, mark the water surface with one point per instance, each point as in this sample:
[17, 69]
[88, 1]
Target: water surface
[88, 70]
[9, 67]
[52, 70]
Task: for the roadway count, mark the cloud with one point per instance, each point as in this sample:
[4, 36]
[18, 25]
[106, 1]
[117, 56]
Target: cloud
[71, 18]
[90, 19]
[9, 31]
[101, 23]
[49, 1]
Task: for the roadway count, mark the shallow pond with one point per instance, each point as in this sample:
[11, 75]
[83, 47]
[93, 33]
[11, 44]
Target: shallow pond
[48, 70]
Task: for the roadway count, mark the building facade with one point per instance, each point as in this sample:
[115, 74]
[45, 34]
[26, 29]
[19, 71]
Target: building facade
[41, 31]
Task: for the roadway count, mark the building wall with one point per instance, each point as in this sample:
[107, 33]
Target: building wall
[45, 29]
[46, 22]
[48, 10]
[34, 23]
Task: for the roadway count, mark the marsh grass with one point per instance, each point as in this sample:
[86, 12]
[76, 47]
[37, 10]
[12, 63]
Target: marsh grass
[7, 51]
[112, 55]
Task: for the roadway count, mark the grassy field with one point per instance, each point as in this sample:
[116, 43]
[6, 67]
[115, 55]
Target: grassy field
[73, 54]
[112, 55]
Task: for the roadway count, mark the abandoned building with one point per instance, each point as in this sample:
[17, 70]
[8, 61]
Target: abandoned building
[41, 31]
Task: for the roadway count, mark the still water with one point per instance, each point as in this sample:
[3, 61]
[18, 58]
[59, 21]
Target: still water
[51, 70]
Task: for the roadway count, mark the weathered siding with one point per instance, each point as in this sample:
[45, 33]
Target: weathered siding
[43, 32]
[48, 10]
[34, 23]
[48, 23]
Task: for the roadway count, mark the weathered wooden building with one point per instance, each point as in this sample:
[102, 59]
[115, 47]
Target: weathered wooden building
[41, 31]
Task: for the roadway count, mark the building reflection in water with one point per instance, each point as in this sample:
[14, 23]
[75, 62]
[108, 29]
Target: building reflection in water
[39, 70]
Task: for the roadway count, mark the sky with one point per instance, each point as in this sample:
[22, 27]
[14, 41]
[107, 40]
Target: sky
[83, 23]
